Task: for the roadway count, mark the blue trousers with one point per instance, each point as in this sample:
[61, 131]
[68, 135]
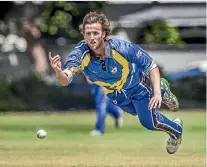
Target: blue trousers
[135, 101]
[103, 106]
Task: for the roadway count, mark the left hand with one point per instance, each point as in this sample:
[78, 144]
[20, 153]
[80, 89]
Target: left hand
[155, 102]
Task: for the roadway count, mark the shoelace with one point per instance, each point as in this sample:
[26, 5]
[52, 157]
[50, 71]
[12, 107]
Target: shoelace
[121, 91]
[169, 99]
[174, 142]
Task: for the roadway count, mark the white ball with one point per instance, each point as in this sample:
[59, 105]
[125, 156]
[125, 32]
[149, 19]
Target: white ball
[41, 134]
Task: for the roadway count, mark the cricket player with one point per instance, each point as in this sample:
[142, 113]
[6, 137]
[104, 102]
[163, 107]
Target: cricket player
[130, 77]
[103, 106]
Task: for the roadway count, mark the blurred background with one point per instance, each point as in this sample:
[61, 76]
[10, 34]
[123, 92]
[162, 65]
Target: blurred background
[173, 33]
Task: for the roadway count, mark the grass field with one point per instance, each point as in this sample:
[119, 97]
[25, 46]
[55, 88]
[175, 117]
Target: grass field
[68, 143]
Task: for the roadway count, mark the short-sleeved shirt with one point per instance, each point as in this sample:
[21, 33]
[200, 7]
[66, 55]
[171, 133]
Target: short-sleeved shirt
[120, 68]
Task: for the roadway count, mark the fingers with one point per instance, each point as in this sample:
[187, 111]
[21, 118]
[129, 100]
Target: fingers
[53, 59]
[154, 103]
[159, 103]
[56, 59]
[151, 103]
[55, 62]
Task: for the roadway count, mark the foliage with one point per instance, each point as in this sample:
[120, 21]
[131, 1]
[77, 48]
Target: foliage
[8, 101]
[64, 17]
[53, 18]
[32, 94]
[159, 32]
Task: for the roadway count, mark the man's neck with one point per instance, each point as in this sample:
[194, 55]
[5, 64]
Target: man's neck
[101, 52]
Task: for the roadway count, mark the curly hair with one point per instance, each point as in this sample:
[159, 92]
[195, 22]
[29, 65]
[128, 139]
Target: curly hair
[93, 17]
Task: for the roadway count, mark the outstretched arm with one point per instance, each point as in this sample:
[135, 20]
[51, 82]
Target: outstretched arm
[64, 77]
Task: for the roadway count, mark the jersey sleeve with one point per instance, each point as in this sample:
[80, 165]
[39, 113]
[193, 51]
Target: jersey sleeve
[134, 54]
[72, 64]
[143, 61]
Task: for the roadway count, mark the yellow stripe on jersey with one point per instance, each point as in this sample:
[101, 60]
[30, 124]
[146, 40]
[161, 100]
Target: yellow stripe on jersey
[85, 61]
[125, 72]
[107, 91]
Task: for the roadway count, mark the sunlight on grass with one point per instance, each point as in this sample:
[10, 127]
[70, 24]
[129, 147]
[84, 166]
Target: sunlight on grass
[68, 142]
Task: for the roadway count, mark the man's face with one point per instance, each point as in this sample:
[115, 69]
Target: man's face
[94, 36]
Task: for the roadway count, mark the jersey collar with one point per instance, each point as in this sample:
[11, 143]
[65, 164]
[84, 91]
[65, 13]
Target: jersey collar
[107, 52]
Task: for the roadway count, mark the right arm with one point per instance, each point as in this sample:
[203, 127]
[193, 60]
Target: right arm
[64, 76]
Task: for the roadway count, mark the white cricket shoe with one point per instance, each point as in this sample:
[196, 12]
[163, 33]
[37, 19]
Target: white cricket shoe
[173, 144]
[95, 133]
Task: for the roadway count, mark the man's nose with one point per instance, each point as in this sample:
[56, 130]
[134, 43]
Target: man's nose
[92, 36]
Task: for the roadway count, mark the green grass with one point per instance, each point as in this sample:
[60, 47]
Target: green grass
[68, 143]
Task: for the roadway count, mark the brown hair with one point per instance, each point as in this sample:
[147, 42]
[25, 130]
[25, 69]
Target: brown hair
[93, 17]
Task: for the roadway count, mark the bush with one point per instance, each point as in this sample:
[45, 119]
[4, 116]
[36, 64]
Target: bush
[31, 94]
[159, 32]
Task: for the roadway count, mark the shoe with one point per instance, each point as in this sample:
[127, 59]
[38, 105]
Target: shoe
[173, 144]
[95, 133]
[119, 122]
[169, 98]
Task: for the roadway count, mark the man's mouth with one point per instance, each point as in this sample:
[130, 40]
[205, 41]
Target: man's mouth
[93, 43]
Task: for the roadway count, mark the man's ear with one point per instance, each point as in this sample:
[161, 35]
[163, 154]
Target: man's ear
[104, 34]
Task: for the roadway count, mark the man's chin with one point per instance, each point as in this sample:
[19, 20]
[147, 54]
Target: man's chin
[93, 48]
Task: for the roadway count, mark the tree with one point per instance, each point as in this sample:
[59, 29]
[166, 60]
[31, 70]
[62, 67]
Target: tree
[159, 32]
[62, 18]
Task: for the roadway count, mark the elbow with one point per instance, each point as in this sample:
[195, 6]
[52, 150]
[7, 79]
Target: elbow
[65, 83]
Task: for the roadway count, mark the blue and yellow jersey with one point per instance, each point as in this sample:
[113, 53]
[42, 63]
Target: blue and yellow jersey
[120, 69]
